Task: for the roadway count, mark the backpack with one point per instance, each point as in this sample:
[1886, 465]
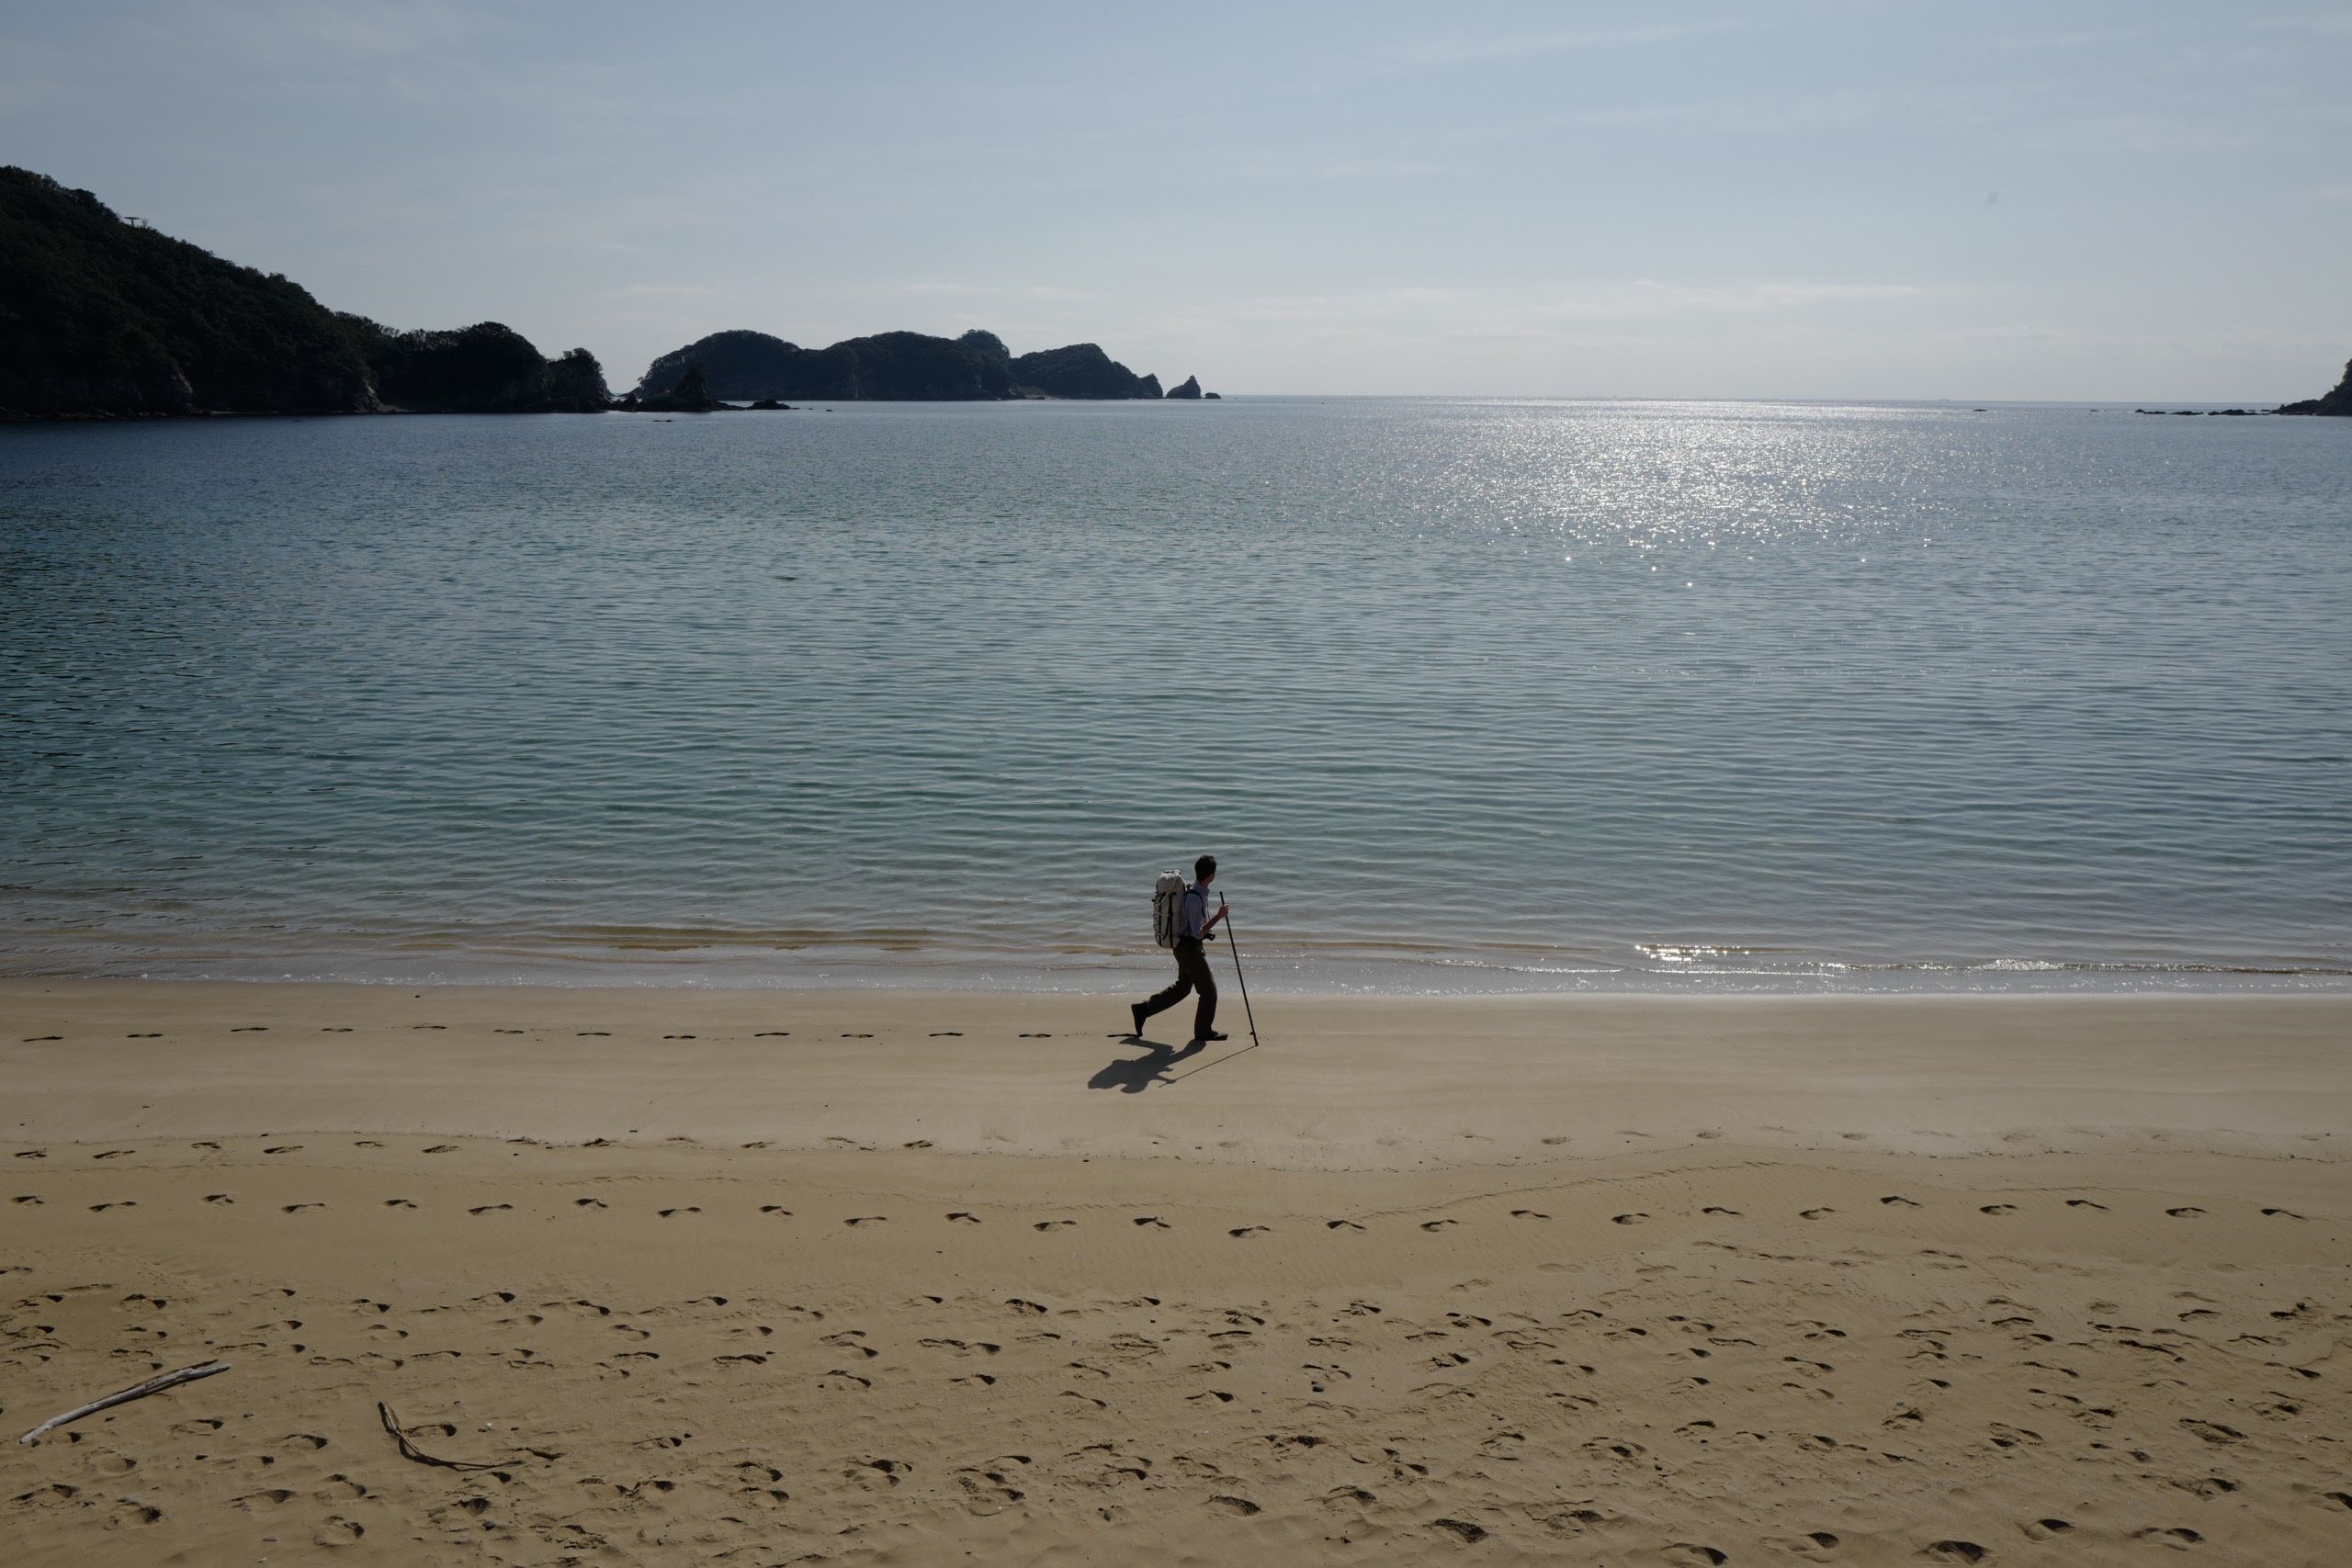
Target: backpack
[1167, 907]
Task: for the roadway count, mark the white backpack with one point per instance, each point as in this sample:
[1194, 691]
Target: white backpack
[1167, 907]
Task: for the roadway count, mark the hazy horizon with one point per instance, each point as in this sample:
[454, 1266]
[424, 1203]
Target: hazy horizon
[1839, 200]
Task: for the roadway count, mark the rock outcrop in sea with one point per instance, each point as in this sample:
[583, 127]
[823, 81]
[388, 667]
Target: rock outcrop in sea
[1191, 387]
[2337, 402]
[690, 393]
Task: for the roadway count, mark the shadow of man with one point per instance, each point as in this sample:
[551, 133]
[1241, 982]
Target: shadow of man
[1133, 1075]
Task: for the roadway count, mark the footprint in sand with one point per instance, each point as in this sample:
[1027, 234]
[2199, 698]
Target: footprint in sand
[428, 1026]
[506, 1032]
[37, 1039]
[772, 1034]
[1897, 1198]
[121, 1203]
[1037, 1037]
[858, 1037]
[43, 1154]
[2185, 1211]
[156, 1036]
[1438, 1224]
[285, 1149]
[398, 1204]
[963, 1217]
[328, 1029]
[1053, 1224]
[917, 1144]
[250, 1028]
[1154, 1220]
[677, 1037]
[866, 1220]
[2085, 1204]
[689, 1209]
[1239, 1231]
[592, 1035]
[1342, 1224]
[298, 1208]
[589, 1203]
[1627, 1219]
[27, 1199]
[1713, 1209]
[491, 1209]
[1998, 1209]
[1815, 1214]
[218, 1198]
[947, 1035]
[1528, 1214]
[2282, 1214]
[780, 1209]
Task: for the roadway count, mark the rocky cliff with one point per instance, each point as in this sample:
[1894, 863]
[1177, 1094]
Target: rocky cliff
[2338, 402]
[101, 314]
[486, 368]
[1081, 371]
[1190, 388]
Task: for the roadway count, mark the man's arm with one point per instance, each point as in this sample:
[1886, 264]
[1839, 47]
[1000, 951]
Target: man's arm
[1210, 924]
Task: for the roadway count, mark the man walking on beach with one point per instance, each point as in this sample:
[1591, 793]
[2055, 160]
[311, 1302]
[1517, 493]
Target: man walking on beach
[1194, 925]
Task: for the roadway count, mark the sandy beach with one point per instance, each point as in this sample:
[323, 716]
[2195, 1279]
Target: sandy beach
[884, 1277]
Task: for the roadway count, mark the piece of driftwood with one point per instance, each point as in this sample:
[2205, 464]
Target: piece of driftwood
[152, 1385]
[410, 1450]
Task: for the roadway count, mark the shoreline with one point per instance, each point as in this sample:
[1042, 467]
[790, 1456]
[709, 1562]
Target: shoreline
[1443, 1080]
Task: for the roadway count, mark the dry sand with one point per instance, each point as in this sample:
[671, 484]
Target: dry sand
[766, 1277]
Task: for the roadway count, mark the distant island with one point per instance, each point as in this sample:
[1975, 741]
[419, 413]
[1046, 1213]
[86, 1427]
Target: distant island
[103, 317]
[743, 365]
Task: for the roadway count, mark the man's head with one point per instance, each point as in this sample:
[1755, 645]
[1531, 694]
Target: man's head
[1205, 870]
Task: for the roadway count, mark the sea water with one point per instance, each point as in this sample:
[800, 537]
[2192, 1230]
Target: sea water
[1462, 693]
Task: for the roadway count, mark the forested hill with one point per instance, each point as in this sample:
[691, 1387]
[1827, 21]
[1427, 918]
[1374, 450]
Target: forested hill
[901, 366]
[100, 314]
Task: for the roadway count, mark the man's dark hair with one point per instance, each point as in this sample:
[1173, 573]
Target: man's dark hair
[1204, 868]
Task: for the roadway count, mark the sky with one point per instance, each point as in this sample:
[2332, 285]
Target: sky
[1808, 198]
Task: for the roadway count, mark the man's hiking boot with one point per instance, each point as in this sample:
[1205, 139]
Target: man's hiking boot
[1211, 1036]
[1134, 1010]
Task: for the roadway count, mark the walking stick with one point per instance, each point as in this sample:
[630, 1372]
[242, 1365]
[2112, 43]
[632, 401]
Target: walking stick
[1235, 948]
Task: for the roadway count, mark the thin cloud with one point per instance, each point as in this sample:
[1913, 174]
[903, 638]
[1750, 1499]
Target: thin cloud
[1437, 54]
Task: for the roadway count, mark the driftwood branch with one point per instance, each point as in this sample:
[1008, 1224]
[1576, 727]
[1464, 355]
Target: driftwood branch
[410, 1450]
[152, 1385]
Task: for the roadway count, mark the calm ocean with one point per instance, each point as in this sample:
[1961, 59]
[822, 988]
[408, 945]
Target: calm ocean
[1464, 694]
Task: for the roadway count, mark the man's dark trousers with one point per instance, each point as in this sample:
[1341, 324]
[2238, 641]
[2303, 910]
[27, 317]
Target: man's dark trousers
[1192, 975]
